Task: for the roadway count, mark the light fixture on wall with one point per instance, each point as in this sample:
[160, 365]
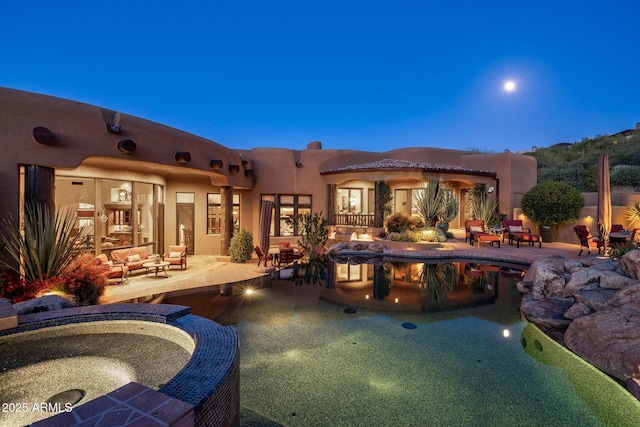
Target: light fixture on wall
[183, 157]
[215, 164]
[126, 146]
[111, 128]
[234, 168]
[490, 190]
[43, 135]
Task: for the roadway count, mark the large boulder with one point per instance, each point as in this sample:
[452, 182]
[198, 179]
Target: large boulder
[585, 278]
[547, 276]
[630, 264]
[608, 340]
[547, 313]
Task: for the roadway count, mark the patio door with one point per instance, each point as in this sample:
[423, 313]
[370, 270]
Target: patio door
[185, 209]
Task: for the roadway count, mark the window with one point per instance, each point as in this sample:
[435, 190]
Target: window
[286, 208]
[349, 200]
[214, 213]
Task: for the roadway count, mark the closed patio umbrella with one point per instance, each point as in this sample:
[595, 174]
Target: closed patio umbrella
[265, 227]
[604, 199]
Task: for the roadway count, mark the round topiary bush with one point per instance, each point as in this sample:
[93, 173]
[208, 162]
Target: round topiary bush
[552, 204]
[241, 246]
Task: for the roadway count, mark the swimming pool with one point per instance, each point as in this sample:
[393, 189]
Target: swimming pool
[305, 361]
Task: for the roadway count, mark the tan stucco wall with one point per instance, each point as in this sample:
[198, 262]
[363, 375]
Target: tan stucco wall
[589, 215]
[83, 147]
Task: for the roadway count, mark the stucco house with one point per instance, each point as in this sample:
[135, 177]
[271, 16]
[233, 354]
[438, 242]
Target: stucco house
[133, 182]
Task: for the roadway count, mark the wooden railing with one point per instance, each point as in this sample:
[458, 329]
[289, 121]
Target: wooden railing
[357, 220]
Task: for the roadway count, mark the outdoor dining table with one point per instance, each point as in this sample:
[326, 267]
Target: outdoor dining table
[619, 236]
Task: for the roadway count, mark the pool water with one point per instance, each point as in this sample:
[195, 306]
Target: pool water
[306, 361]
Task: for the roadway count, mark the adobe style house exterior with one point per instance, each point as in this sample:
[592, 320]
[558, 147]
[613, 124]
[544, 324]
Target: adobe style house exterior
[133, 182]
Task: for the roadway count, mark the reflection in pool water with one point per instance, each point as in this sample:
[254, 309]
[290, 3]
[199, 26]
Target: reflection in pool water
[306, 361]
[398, 285]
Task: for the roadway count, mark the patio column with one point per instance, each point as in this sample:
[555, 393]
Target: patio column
[226, 211]
[378, 211]
[39, 186]
[331, 204]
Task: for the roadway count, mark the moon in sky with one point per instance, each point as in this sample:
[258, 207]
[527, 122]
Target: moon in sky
[509, 86]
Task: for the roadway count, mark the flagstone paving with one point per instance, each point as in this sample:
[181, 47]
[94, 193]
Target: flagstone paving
[210, 270]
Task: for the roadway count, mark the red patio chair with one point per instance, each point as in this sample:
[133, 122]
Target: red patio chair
[587, 240]
[262, 256]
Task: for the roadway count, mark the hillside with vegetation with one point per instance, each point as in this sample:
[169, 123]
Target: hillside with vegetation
[577, 164]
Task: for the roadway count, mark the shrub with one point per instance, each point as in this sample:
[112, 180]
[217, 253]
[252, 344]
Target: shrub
[552, 203]
[85, 279]
[241, 246]
[14, 287]
[404, 236]
[432, 234]
[313, 232]
[398, 222]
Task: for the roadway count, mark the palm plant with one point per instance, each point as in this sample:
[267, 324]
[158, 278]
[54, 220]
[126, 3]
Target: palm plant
[429, 201]
[45, 246]
[633, 213]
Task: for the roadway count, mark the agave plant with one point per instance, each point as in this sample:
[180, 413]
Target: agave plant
[633, 213]
[429, 201]
[437, 281]
[46, 245]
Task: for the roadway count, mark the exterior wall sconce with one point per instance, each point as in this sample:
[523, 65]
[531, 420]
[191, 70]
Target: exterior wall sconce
[43, 135]
[490, 190]
[183, 157]
[126, 146]
[298, 164]
[234, 168]
[112, 128]
[248, 172]
[215, 164]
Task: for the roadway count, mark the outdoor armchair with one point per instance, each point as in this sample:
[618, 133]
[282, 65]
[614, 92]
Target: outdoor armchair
[587, 240]
[176, 255]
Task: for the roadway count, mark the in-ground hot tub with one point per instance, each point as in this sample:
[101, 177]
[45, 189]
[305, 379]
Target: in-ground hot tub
[55, 361]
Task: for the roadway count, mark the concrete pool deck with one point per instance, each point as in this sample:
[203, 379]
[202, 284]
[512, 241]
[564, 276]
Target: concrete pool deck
[210, 270]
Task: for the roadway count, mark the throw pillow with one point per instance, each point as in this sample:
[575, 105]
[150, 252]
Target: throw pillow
[515, 229]
[133, 258]
[175, 254]
[476, 229]
[108, 264]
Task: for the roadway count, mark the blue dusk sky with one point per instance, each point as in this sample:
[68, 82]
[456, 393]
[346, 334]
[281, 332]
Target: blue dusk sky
[365, 75]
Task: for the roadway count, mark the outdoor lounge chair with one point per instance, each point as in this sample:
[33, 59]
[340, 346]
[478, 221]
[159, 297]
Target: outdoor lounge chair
[262, 256]
[475, 230]
[517, 233]
[176, 255]
[587, 240]
[472, 225]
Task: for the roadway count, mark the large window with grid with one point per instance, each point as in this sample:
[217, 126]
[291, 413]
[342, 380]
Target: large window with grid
[286, 208]
[214, 213]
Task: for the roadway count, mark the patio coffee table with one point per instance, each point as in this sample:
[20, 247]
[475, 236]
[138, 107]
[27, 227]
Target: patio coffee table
[156, 267]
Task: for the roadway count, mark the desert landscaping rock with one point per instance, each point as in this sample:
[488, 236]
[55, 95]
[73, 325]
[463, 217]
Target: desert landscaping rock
[600, 309]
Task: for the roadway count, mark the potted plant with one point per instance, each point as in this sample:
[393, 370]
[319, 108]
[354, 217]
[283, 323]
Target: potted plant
[449, 209]
[550, 205]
